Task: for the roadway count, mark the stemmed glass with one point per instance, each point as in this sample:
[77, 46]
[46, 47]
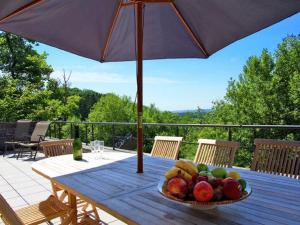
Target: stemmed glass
[97, 148]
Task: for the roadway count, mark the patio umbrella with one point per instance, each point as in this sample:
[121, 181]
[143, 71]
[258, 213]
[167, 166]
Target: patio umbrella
[123, 30]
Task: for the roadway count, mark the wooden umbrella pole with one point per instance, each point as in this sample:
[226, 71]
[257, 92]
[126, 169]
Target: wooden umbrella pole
[139, 70]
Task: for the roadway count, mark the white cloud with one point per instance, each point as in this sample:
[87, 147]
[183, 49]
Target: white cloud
[93, 77]
[111, 78]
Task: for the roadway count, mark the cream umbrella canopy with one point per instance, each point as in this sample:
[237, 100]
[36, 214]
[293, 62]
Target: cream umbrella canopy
[125, 30]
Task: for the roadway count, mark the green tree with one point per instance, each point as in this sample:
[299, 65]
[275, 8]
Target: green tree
[267, 92]
[87, 100]
[16, 104]
[21, 61]
[112, 108]
[23, 72]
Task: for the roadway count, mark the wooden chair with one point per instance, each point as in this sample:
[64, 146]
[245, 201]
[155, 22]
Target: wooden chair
[166, 147]
[57, 147]
[63, 147]
[44, 211]
[277, 157]
[216, 153]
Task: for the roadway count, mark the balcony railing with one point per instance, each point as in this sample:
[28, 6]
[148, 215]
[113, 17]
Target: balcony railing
[123, 134]
[56, 127]
[117, 133]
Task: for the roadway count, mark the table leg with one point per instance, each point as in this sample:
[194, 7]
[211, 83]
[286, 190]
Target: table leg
[73, 205]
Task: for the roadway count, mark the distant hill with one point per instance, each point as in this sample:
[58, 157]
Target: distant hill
[182, 112]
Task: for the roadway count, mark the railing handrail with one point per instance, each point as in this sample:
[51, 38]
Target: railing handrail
[253, 126]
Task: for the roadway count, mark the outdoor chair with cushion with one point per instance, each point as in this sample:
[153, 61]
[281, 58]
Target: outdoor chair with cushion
[42, 212]
[21, 133]
[277, 157]
[166, 147]
[63, 147]
[38, 135]
[216, 153]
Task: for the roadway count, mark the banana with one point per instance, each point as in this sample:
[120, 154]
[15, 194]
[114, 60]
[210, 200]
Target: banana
[187, 166]
[175, 171]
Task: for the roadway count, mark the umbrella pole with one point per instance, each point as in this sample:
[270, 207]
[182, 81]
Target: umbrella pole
[139, 70]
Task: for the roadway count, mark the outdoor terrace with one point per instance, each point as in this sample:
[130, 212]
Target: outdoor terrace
[21, 186]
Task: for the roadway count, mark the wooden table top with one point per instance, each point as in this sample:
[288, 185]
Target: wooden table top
[133, 198]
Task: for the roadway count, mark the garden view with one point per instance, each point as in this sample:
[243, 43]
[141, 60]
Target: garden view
[267, 92]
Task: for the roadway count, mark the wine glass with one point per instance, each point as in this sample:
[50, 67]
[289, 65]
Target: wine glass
[94, 148]
[101, 149]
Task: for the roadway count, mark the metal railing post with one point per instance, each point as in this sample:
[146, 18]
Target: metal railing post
[93, 132]
[86, 134]
[59, 131]
[229, 134]
[50, 130]
[254, 136]
[55, 131]
[113, 136]
[71, 130]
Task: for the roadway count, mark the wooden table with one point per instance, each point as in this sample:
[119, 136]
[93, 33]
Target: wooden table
[116, 188]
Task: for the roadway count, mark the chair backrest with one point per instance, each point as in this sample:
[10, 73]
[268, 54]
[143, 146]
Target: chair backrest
[39, 131]
[56, 148]
[216, 152]
[166, 147]
[22, 130]
[277, 157]
[7, 214]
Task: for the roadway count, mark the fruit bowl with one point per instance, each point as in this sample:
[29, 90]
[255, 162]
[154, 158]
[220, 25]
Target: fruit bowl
[162, 188]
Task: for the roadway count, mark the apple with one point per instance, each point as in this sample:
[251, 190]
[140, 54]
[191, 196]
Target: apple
[216, 182]
[203, 191]
[178, 187]
[218, 193]
[232, 189]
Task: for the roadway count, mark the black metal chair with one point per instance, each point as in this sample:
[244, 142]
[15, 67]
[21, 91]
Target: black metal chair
[21, 133]
[38, 135]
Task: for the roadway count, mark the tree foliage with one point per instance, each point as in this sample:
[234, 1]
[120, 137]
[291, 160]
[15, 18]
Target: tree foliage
[266, 92]
[19, 60]
[26, 88]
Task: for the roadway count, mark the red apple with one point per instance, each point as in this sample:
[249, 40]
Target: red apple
[177, 187]
[203, 191]
[232, 189]
[218, 193]
[216, 182]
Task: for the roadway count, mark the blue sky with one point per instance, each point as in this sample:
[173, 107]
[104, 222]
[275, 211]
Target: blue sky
[172, 84]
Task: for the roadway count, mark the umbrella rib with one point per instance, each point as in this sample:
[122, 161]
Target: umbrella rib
[21, 10]
[112, 27]
[190, 31]
[133, 2]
